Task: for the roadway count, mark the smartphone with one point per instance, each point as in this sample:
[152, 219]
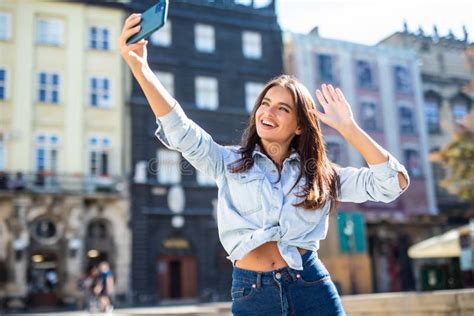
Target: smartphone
[151, 20]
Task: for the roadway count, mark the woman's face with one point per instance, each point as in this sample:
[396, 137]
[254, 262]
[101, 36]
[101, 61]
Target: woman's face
[276, 117]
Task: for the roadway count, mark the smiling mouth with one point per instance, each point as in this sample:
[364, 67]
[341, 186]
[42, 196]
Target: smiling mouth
[267, 124]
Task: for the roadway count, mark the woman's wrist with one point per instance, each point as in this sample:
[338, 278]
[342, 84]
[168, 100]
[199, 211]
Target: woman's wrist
[138, 66]
[348, 129]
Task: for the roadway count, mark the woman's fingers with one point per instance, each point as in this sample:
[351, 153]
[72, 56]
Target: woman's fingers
[132, 20]
[340, 94]
[333, 93]
[130, 24]
[320, 115]
[321, 99]
[137, 45]
[134, 30]
[327, 93]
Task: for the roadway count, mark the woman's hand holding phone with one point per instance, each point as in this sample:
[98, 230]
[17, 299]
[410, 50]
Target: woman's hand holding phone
[135, 54]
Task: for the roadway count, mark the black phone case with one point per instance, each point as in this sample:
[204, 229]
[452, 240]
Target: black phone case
[151, 20]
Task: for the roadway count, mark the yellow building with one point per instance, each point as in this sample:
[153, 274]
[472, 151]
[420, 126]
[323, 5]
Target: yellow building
[63, 145]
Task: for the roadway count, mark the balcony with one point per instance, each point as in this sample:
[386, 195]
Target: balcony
[46, 182]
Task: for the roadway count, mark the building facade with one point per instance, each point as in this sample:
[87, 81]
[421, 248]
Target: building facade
[214, 57]
[447, 76]
[63, 188]
[384, 89]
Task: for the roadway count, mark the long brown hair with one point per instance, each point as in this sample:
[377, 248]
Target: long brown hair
[322, 180]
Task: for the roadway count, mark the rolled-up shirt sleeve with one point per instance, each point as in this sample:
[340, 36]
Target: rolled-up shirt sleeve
[378, 182]
[177, 132]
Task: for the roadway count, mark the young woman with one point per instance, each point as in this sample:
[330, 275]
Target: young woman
[275, 191]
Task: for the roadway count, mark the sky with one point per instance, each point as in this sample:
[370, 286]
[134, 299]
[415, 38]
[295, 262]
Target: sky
[369, 21]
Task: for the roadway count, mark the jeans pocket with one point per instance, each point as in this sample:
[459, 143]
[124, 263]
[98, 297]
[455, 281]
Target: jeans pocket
[314, 272]
[242, 292]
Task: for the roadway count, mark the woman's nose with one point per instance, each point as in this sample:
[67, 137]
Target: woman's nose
[270, 110]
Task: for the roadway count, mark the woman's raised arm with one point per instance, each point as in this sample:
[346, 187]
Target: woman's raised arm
[385, 179]
[175, 130]
[135, 55]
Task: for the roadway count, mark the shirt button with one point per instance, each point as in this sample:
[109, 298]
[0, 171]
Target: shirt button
[276, 188]
[278, 275]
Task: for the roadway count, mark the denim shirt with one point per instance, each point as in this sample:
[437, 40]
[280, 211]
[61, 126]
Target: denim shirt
[253, 208]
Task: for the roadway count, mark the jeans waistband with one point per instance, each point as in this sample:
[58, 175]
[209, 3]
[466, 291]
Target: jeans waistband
[268, 277]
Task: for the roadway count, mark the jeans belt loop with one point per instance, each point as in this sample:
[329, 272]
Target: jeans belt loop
[259, 279]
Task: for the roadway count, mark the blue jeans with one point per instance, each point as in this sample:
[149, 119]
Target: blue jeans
[286, 291]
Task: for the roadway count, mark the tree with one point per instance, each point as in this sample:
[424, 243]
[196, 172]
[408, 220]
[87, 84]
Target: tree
[458, 158]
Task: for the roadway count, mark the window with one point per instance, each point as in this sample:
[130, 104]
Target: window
[48, 87]
[99, 38]
[459, 113]
[3, 84]
[2, 153]
[162, 37]
[44, 228]
[439, 174]
[204, 179]
[206, 93]
[412, 161]
[204, 38]
[99, 92]
[97, 230]
[253, 3]
[432, 116]
[252, 45]
[368, 116]
[325, 68]
[252, 91]
[49, 31]
[99, 154]
[167, 80]
[333, 151]
[5, 26]
[46, 153]
[402, 79]
[407, 120]
[168, 171]
[364, 74]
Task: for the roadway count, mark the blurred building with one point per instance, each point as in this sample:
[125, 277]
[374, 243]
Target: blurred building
[366, 247]
[214, 57]
[63, 149]
[447, 78]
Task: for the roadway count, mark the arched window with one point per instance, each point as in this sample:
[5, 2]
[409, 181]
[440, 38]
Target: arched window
[97, 230]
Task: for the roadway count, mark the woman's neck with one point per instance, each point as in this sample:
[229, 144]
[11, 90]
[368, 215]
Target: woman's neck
[277, 152]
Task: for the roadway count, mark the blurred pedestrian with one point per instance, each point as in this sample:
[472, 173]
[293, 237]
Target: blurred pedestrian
[105, 287]
[87, 285]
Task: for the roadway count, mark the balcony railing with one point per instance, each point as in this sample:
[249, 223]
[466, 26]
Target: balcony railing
[45, 182]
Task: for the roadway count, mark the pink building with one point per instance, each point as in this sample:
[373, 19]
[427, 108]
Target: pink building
[383, 86]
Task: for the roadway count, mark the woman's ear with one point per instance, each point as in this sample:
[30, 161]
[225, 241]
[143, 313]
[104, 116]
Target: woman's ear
[299, 130]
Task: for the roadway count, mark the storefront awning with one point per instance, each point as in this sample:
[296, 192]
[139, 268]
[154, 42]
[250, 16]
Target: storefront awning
[441, 246]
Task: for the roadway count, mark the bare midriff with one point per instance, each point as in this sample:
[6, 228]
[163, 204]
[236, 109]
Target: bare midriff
[264, 258]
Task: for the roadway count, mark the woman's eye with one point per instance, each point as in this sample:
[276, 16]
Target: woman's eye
[284, 109]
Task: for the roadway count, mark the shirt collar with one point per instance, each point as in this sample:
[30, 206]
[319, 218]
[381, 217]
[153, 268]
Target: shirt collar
[293, 153]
